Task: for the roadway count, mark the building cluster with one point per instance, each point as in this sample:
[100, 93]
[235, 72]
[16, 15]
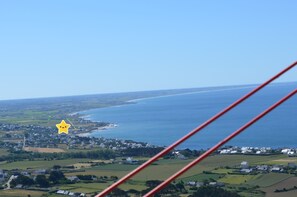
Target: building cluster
[4, 174]
[289, 151]
[257, 150]
[33, 174]
[245, 168]
[69, 193]
[130, 160]
[47, 137]
[200, 184]
[245, 150]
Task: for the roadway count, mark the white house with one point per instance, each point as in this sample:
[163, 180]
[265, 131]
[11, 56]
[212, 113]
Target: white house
[244, 165]
[285, 151]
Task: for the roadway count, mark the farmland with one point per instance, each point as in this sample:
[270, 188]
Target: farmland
[17, 193]
[218, 168]
[215, 165]
[82, 156]
[287, 184]
[38, 164]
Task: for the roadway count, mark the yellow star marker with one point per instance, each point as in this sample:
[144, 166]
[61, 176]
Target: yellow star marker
[63, 127]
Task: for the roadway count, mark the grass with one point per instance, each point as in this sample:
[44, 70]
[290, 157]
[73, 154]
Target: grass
[153, 172]
[266, 180]
[201, 177]
[3, 152]
[287, 183]
[116, 167]
[95, 187]
[84, 187]
[167, 167]
[253, 194]
[222, 171]
[237, 179]
[235, 160]
[282, 161]
[38, 164]
[162, 170]
[20, 192]
[43, 150]
[99, 173]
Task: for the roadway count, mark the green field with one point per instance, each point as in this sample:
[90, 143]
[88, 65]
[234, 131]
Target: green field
[163, 169]
[20, 193]
[282, 161]
[266, 180]
[222, 171]
[3, 152]
[201, 177]
[94, 187]
[287, 183]
[237, 179]
[38, 164]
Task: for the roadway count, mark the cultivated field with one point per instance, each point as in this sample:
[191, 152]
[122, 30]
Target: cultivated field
[266, 180]
[39, 164]
[287, 183]
[44, 150]
[20, 193]
[215, 166]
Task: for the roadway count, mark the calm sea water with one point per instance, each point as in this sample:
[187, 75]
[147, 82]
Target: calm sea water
[163, 120]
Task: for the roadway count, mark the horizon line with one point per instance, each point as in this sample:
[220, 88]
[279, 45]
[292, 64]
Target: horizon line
[137, 91]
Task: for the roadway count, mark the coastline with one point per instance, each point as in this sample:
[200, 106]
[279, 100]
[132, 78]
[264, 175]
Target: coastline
[87, 117]
[87, 134]
[189, 93]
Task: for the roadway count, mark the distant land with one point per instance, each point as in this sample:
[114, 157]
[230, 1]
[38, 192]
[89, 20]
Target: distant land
[48, 164]
[49, 111]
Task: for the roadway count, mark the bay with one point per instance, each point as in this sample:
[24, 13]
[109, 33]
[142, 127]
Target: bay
[163, 120]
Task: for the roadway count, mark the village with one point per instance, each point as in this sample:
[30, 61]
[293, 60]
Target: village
[292, 152]
[33, 138]
[47, 137]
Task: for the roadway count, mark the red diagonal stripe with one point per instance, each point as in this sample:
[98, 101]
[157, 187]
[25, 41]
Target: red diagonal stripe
[190, 134]
[214, 148]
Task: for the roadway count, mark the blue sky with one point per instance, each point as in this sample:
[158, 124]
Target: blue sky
[59, 48]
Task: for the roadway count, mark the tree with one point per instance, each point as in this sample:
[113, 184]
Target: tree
[56, 167]
[42, 181]
[180, 187]
[152, 183]
[85, 177]
[213, 192]
[13, 183]
[7, 135]
[56, 176]
[24, 180]
[114, 177]
[119, 193]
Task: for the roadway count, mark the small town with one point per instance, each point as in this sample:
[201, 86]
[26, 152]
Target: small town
[47, 137]
[36, 139]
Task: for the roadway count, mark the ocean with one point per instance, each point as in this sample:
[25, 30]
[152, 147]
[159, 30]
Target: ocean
[163, 120]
